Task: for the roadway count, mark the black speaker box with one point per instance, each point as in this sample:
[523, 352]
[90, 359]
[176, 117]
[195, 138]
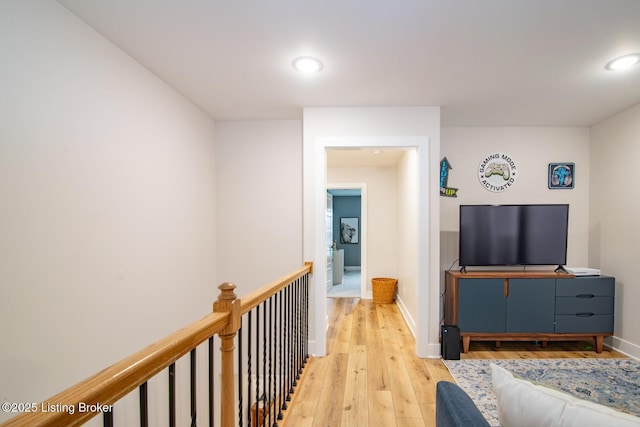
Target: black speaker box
[450, 342]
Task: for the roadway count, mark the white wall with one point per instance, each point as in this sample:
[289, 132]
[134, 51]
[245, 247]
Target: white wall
[107, 204]
[614, 213]
[375, 126]
[259, 201]
[532, 149]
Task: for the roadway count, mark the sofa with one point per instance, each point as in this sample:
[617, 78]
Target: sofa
[521, 403]
[454, 407]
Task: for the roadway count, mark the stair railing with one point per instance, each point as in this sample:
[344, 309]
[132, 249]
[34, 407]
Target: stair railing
[276, 317]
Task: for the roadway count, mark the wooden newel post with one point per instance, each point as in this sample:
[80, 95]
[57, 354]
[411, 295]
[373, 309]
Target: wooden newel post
[227, 302]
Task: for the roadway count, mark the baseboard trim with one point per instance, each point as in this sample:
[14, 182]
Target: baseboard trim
[433, 351]
[407, 316]
[312, 347]
[625, 347]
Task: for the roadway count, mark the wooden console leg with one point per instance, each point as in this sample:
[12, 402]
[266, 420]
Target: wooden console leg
[599, 343]
[544, 344]
[498, 344]
[466, 340]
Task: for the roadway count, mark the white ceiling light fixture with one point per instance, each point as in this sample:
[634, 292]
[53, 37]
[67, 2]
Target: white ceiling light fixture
[307, 64]
[623, 62]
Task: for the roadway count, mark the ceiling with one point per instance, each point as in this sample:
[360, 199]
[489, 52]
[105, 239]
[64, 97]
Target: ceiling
[487, 63]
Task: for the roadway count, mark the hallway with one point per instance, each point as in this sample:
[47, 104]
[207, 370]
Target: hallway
[371, 375]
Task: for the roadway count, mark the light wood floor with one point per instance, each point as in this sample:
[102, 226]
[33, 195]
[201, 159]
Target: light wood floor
[372, 377]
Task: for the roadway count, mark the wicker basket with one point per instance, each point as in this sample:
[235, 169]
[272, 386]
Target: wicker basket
[384, 289]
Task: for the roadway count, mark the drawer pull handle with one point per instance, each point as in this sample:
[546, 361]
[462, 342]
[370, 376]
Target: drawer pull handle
[585, 296]
[584, 314]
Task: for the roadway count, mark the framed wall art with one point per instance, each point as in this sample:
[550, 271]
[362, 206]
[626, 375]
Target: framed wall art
[561, 176]
[497, 172]
[349, 230]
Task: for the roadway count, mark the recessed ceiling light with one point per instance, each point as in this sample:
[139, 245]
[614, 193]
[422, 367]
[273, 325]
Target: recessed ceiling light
[307, 64]
[376, 152]
[623, 62]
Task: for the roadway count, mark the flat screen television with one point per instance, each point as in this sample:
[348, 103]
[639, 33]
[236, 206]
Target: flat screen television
[492, 235]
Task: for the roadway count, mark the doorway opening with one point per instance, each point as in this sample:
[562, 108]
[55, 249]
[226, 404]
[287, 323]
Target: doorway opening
[347, 236]
[397, 251]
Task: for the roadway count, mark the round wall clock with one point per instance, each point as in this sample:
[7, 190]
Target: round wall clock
[497, 172]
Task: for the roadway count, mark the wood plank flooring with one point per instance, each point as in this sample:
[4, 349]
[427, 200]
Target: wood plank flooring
[372, 377]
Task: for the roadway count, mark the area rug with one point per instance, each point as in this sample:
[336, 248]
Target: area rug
[611, 382]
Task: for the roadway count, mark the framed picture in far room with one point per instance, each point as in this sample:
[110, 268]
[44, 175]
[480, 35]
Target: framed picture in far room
[349, 230]
[561, 175]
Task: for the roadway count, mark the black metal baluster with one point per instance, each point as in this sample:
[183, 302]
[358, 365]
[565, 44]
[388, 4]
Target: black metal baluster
[290, 343]
[294, 337]
[270, 358]
[240, 418]
[285, 359]
[257, 413]
[301, 325]
[211, 392]
[300, 339]
[107, 418]
[192, 381]
[296, 333]
[280, 362]
[303, 321]
[306, 318]
[300, 357]
[264, 362]
[267, 392]
[249, 320]
[172, 395]
[144, 407]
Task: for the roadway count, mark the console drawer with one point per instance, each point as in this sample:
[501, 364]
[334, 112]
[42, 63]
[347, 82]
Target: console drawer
[596, 286]
[596, 323]
[575, 305]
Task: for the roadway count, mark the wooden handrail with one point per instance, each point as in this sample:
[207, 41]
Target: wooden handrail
[113, 383]
[256, 297]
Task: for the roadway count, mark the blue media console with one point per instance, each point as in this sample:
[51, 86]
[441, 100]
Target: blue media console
[529, 306]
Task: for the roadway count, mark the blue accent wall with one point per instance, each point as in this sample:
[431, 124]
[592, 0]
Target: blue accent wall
[347, 206]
